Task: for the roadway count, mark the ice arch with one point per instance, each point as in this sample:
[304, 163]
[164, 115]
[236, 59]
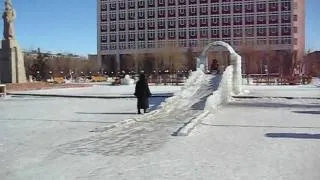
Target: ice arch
[235, 59]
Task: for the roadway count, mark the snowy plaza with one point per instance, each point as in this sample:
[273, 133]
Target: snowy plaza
[269, 132]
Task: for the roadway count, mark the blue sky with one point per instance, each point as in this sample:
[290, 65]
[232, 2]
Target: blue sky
[70, 25]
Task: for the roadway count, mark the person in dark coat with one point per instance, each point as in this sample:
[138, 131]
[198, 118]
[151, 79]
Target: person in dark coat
[142, 92]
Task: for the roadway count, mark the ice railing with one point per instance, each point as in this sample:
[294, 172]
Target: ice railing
[224, 92]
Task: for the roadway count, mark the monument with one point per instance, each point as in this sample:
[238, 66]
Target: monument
[12, 68]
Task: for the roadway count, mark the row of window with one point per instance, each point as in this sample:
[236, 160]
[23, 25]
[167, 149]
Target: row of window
[195, 43]
[194, 22]
[113, 6]
[182, 11]
[194, 34]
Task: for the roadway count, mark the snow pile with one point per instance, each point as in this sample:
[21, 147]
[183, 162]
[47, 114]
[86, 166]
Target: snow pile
[224, 92]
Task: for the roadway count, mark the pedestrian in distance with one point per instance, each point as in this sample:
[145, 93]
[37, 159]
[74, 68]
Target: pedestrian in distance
[142, 92]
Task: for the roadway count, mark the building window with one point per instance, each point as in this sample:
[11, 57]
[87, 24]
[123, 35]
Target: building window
[151, 3]
[113, 38]
[141, 45]
[171, 2]
[141, 4]
[132, 25]
[161, 24]
[193, 11]
[182, 11]
[273, 6]
[203, 22]
[171, 23]
[262, 19]
[215, 9]
[161, 35]
[249, 8]
[295, 17]
[285, 31]
[113, 6]
[226, 32]
[182, 2]
[131, 45]
[183, 34]
[151, 35]
[237, 8]
[204, 10]
[204, 33]
[104, 17]
[261, 41]
[249, 20]
[171, 34]
[141, 15]
[237, 20]
[215, 33]
[226, 9]
[262, 7]
[226, 21]
[237, 32]
[103, 38]
[113, 27]
[285, 6]
[273, 41]
[286, 40]
[193, 34]
[113, 17]
[249, 31]
[192, 1]
[193, 43]
[151, 45]
[273, 31]
[193, 22]
[113, 46]
[261, 31]
[295, 29]
[132, 4]
[215, 21]
[151, 13]
[122, 5]
[141, 36]
[122, 46]
[141, 25]
[151, 24]
[171, 12]
[182, 43]
[122, 27]
[161, 3]
[182, 23]
[132, 37]
[285, 18]
[161, 13]
[273, 19]
[104, 47]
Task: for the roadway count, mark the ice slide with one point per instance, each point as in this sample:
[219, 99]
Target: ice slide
[150, 131]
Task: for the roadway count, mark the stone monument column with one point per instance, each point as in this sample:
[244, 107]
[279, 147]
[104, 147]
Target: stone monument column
[12, 68]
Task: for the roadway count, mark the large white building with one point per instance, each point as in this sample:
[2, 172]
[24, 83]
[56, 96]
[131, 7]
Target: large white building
[143, 26]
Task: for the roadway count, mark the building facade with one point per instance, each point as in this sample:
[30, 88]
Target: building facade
[145, 26]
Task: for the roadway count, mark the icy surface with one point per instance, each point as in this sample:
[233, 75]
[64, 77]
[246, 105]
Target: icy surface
[238, 142]
[282, 91]
[103, 90]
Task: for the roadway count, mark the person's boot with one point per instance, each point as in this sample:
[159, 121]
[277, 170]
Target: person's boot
[139, 112]
[145, 111]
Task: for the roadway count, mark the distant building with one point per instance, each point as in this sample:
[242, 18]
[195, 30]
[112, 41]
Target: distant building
[127, 27]
[93, 57]
[311, 64]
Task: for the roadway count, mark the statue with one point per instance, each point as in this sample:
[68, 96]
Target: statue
[8, 16]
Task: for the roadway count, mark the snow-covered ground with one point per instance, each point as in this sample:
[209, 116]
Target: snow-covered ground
[102, 90]
[64, 138]
[282, 91]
